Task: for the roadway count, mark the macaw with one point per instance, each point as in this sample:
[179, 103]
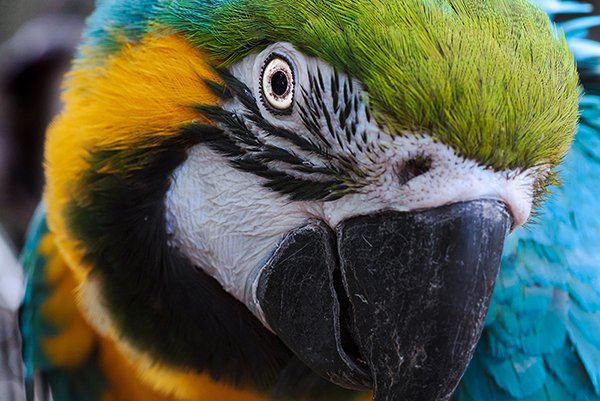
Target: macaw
[308, 200]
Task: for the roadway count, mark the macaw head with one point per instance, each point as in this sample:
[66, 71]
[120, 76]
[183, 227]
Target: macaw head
[261, 190]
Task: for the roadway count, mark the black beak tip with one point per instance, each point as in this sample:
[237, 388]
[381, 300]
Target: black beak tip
[393, 301]
[421, 285]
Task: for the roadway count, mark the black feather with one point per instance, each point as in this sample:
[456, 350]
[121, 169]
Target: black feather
[160, 302]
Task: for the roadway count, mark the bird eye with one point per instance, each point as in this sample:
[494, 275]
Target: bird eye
[278, 83]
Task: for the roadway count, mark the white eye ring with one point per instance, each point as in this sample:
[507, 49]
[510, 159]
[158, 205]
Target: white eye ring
[278, 83]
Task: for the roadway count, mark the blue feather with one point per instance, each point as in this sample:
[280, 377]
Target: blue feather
[116, 22]
[566, 367]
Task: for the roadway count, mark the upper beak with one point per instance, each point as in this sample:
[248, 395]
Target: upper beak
[393, 301]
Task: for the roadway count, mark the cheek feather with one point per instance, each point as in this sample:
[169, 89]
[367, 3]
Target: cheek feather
[140, 95]
[224, 220]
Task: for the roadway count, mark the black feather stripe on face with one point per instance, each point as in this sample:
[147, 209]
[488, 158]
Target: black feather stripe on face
[161, 303]
[301, 165]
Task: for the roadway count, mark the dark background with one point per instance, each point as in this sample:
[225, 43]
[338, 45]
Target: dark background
[37, 38]
[14, 13]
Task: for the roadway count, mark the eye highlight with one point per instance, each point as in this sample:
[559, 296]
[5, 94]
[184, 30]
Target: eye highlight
[277, 83]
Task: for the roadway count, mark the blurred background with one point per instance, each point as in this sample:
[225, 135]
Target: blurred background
[37, 39]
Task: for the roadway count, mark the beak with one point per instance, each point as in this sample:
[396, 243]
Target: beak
[394, 302]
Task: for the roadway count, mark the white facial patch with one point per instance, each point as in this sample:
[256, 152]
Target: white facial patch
[450, 179]
[224, 221]
[228, 223]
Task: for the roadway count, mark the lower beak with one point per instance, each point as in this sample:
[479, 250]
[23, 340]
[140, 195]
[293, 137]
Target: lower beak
[394, 302]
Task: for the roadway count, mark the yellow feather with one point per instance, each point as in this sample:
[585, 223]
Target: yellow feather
[142, 94]
[72, 347]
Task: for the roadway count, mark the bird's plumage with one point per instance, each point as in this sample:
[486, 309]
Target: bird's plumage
[149, 84]
[64, 353]
[125, 171]
[419, 43]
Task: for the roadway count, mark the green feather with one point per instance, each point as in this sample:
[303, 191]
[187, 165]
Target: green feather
[492, 79]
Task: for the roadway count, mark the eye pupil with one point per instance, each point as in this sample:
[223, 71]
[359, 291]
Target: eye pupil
[279, 83]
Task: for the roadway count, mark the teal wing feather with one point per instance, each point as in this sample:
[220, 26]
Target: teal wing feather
[84, 382]
[542, 336]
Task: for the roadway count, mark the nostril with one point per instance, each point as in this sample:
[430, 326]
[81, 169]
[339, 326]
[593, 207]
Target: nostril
[413, 168]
